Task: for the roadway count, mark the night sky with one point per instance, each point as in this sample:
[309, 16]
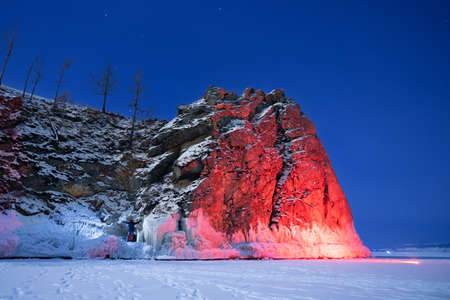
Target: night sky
[373, 77]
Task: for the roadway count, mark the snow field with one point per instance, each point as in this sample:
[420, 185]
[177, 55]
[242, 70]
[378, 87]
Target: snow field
[230, 279]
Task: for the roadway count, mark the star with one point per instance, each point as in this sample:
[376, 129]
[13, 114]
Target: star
[106, 14]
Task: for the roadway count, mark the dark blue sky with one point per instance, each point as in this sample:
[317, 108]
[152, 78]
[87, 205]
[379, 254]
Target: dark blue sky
[374, 78]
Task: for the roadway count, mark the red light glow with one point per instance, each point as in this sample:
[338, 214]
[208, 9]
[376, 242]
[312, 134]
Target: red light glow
[394, 261]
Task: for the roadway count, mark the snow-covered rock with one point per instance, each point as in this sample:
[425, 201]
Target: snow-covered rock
[229, 177]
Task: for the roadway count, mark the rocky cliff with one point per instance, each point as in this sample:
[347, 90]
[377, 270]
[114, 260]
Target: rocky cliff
[230, 177]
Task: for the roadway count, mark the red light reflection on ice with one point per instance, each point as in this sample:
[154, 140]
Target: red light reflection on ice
[394, 261]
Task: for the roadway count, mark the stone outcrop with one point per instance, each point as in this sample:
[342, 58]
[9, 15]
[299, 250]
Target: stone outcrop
[229, 177]
[263, 184]
[10, 168]
[69, 154]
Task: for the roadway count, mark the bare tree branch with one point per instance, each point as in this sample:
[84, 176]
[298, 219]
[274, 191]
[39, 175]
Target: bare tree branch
[8, 55]
[138, 89]
[62, 72]
[30, 70]
[37, 75]
[105, 84]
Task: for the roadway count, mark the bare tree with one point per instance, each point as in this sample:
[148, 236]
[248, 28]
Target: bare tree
[62, 72]
[30, 70]
[37, 75]
[138, 89]
[105, 84]
[10, 45]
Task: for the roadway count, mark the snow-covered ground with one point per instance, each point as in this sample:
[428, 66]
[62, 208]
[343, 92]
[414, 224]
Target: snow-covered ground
[232, 279]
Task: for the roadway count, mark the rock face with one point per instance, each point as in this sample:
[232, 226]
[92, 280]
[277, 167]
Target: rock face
[9, 148]
[267, 186]
[230, 177]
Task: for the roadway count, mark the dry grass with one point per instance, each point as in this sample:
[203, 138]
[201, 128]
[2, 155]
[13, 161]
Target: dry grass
[77, 190]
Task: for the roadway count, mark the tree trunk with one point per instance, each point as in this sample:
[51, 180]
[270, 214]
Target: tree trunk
[26, 80]
[104, 101]
[133, 121]
[4, 68]
[32, 91]
[135, 106]
[58, 86]
[34, 87]
[11, 45]
[106, 88]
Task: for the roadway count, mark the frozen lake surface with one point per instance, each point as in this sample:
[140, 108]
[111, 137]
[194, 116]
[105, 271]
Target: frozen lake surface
[235, 279]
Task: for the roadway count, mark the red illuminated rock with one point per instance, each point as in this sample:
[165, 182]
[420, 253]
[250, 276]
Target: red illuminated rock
[229, 177]
[268, 187]
[9, 147]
